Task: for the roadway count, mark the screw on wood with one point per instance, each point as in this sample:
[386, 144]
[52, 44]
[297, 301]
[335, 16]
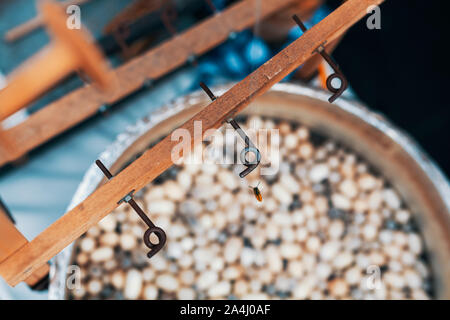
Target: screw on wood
[154, 248]
[249, 146]
[337, 92]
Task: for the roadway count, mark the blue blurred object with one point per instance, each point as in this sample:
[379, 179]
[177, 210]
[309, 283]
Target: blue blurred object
[234, 63]
[257, 52]
[244, 52]
[236, 58]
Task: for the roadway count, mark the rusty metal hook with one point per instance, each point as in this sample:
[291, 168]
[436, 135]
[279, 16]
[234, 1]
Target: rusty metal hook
[337, 92]
[152, 229]
[249, 146]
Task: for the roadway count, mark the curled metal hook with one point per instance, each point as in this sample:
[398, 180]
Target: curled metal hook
[4, 208]
[337, 91]
[249, 146]
[152, 229]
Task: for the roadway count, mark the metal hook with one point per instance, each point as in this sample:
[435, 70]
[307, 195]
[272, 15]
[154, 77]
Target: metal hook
[160, 234]
[337, 92]
[249, 146]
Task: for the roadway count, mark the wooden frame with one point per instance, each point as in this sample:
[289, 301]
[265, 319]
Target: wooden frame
[86, 101]
[156, 160]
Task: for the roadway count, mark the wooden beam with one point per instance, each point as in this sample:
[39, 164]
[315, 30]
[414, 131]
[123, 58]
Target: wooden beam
[12, 240]
[156, 160]
[83, 103]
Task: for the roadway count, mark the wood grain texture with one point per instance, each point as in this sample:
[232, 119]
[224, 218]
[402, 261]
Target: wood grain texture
[11, 239]
[156, 160]
[84, 102]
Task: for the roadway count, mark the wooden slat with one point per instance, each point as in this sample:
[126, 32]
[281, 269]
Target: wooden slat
[84, 102]
[156, 160]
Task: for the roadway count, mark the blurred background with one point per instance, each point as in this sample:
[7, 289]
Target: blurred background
[399, 70]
